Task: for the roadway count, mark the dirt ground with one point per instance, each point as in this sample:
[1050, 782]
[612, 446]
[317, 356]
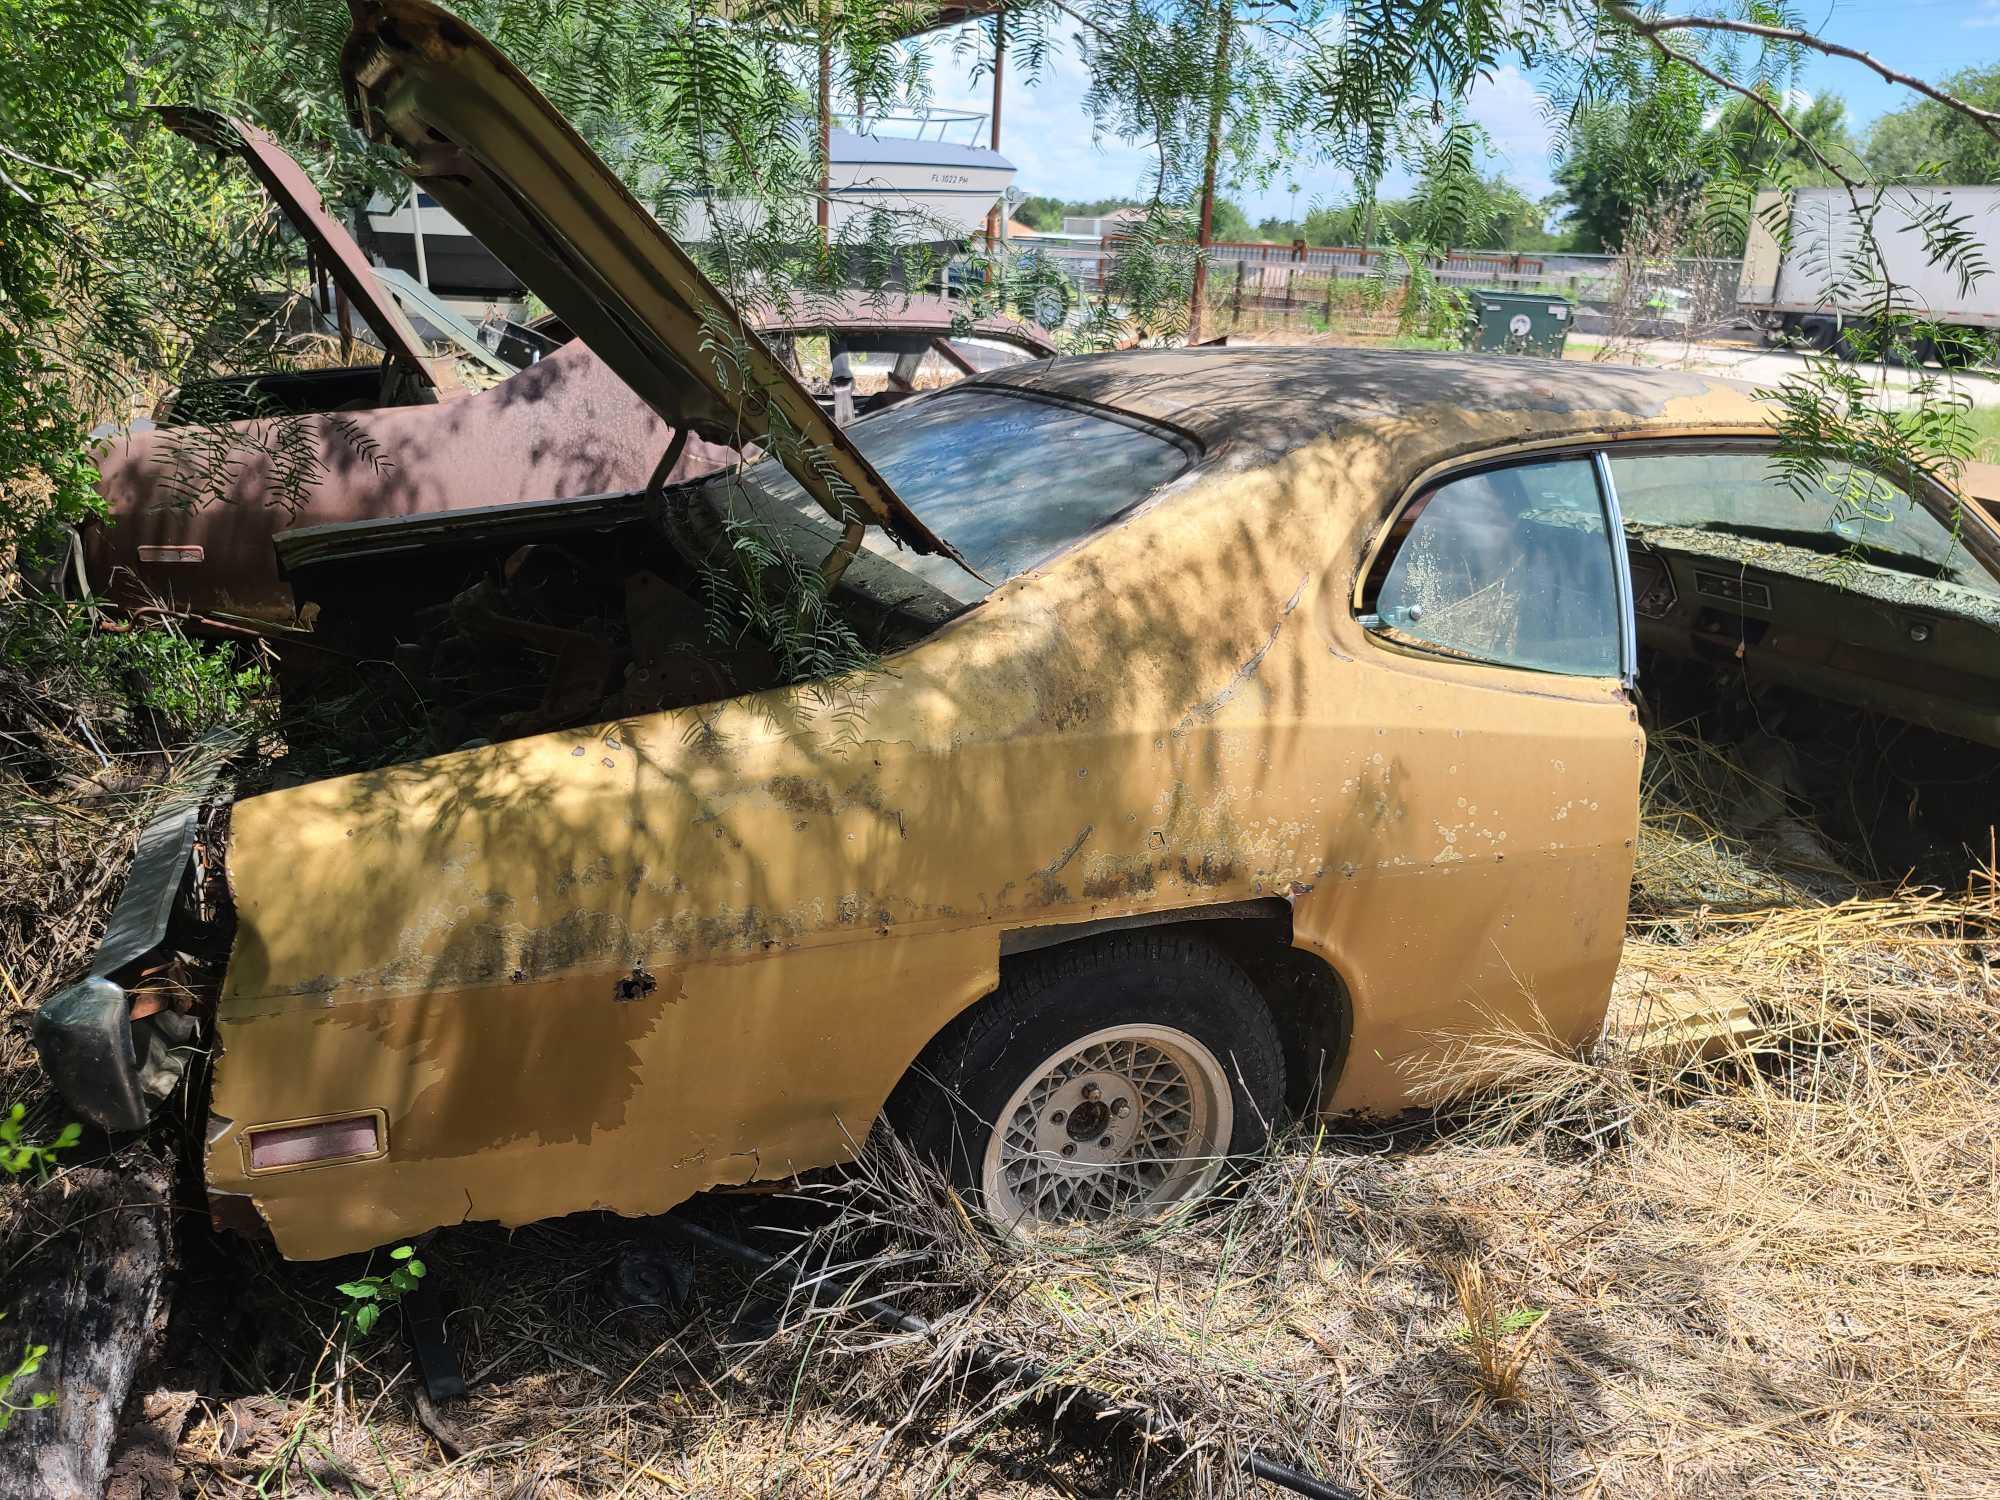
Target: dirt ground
[1760, 1256]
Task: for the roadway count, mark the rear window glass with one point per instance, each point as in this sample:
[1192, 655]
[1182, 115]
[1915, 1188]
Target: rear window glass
[1008, 479]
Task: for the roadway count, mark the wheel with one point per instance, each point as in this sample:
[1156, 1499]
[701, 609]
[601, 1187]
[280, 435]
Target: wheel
[1818, 332]
[1106, 1079]
[1962, 348]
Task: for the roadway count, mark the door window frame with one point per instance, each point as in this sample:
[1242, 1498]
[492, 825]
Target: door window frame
[1375, 562]
[1621, 565]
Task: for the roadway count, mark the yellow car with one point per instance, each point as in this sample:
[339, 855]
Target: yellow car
[1249, 723]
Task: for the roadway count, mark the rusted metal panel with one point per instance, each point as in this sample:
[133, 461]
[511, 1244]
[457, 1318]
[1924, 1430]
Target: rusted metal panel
[1184, 711]
[563, 427]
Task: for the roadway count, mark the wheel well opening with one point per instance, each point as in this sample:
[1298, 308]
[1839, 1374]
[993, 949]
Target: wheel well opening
[1307, 997]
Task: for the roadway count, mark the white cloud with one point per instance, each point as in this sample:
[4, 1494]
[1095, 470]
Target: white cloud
[1988, 14]
[1513, 114]
[1044, 128]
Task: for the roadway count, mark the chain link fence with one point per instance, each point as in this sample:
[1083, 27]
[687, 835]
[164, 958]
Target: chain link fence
[1317, 286]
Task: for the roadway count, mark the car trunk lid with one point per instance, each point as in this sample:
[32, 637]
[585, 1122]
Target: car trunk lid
[481, 139]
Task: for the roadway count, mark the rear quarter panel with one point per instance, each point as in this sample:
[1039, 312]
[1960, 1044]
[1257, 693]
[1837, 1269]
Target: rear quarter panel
[563, 427]
[813, 881]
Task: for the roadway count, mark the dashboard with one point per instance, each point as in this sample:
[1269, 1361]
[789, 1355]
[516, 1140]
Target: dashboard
[1871, 636]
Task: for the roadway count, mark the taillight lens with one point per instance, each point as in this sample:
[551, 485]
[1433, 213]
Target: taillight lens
[340, 1138]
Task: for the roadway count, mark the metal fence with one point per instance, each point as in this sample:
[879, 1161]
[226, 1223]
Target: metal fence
[1284, 280]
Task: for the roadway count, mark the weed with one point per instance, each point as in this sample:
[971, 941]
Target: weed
[193, 686]
[368, 1296]
[18, 1155]
[1489, 1331]
[188, 686]
[31, 1361]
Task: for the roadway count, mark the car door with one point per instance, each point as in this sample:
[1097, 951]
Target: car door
[1488, 801]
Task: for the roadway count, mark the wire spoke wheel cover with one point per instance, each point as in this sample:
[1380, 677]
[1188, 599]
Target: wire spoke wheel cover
[1122, 1122]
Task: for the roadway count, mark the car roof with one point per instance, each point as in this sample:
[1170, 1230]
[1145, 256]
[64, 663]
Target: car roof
[1278, 398]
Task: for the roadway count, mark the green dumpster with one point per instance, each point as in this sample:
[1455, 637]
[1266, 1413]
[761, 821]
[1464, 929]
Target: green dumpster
[1518, 322]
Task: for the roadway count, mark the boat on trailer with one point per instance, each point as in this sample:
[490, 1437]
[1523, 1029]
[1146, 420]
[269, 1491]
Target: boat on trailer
[922, 170]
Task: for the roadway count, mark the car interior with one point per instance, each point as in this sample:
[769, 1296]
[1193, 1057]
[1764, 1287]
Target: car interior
[1843, 586]
[291, 393]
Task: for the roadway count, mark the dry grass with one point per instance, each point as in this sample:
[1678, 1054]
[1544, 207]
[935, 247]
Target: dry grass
[1775, 1268]
[1621, 1273]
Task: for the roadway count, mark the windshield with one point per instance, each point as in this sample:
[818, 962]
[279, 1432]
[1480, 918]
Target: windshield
[1858, 515]
[1009, 479]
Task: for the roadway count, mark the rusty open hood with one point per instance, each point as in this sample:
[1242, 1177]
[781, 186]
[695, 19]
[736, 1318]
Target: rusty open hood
[333, 247]
[479, 137]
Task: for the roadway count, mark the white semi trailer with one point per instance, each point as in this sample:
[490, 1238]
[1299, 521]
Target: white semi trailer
[1813, 291]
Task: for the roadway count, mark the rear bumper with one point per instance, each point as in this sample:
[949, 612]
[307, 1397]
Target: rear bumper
[111, 1068]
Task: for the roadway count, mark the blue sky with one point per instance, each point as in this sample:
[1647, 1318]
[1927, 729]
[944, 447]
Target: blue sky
[1046, 133]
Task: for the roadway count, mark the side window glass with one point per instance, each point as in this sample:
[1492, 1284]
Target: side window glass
[1511, 566]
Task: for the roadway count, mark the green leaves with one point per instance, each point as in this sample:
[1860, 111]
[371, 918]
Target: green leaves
[187, 686]
[29, 1363]
[369, 1296]
[1931, 141]
[19, 1155]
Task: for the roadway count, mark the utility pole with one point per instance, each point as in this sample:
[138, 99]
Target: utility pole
[996, 215]
[825, 121]
[1206, 238]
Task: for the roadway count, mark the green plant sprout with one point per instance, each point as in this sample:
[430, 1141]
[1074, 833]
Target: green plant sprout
[31, 1361]
[18, 1155]
[368, 1296]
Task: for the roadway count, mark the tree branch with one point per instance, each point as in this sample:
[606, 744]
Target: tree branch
[1648, 29]
[1627, 15]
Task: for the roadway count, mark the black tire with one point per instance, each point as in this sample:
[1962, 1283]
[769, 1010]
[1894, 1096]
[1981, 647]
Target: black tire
[1962, 348]
[947, 1106]
[1817, 332]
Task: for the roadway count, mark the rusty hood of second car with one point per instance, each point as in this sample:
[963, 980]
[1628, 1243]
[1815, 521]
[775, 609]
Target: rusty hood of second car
[481, 139]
